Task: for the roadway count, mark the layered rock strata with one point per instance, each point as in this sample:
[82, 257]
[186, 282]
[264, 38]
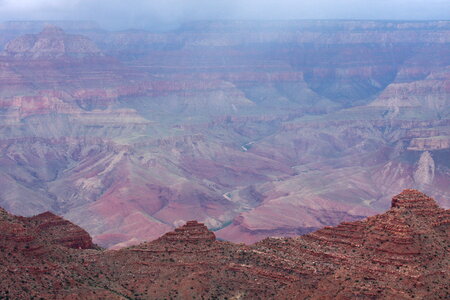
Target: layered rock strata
[253, 128]
[400, 254]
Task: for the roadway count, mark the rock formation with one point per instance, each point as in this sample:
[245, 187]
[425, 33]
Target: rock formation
[254, 128]
[400, 254]
[39, 233]
[52, 42]
[191, 232]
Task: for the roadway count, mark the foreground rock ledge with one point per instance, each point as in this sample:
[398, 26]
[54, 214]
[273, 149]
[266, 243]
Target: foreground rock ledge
[401, 254]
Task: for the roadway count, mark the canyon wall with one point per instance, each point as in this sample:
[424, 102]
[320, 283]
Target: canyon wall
[253, 128]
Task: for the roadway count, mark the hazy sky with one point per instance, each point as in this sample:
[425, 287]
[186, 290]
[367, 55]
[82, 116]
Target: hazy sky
[115, 14]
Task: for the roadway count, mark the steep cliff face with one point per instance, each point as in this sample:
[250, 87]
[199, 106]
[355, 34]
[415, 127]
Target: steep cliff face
[241, 125]
[401, 253]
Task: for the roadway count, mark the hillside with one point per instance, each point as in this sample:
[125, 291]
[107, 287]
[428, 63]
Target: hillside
[400, 254]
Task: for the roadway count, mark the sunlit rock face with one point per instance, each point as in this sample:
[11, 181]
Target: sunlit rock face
[252, 128]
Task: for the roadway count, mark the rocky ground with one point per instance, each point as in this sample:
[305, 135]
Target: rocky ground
[400, 254]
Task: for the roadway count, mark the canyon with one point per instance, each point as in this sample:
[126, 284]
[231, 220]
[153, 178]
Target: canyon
[399, 254]
[256, 129]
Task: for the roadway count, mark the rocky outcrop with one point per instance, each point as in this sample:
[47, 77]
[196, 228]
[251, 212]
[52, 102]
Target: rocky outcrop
[58, 231]
[44, 230]
[192, 232]
[380, 251]
[413, 200]
[401, 253]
